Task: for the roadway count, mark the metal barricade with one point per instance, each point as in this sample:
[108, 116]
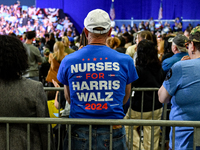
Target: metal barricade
[111, 122]
[154, 90]
[142, 102]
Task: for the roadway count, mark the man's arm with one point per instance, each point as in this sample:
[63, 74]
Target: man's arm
[67, 93]
[163, 95]
[127, 93]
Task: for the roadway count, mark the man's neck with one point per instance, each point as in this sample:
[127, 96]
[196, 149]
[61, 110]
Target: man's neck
[97, 42]
[29, 41]
[195, 55]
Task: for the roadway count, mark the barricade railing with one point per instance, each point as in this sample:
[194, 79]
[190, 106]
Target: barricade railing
[90, 122]
[154, 90]
[111, 122]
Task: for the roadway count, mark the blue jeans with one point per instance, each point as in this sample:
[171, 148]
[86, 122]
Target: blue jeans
[100, 138]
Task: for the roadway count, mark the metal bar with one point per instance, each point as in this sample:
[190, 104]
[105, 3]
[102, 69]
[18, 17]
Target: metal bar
[59, 125]
[130, 105]
[131, 143]
[49, 136]
[7, 137]
[69, 137]
[54, 88]
[152, 137]
[145, 89]
[111, 136]
[173, 138]
[152, 127]
[28, 137]
[140, 137]
[164, 127]
[90, 137]
[142, 105]
[130, 112]
[194, 138]
[127, 122]
[133, 89]
[153, 105]
[59, 104]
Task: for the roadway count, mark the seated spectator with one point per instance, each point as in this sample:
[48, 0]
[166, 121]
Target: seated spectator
[181, 88]
[117, 29]
[20, 97]
[178, 48]
[190, 27]
[123, 28]
[180, 26]
[134, 28]
[150, 74]
[141, 26]
[175, 27]
[129, 29]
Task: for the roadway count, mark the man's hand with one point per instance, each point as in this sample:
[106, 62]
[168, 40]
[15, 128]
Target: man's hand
[80, 47]
[55, 83]
[185, 57]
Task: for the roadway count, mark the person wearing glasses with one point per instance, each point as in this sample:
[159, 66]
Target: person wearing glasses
[181, 88]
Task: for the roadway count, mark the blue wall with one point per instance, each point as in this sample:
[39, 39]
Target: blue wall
[125, 9]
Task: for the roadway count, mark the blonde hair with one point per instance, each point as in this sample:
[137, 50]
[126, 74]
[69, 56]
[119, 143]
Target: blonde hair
[65, 40]
[58, 49]
[113, 42]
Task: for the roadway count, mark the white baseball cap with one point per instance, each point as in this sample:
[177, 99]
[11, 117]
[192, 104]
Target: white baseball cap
[97, 18]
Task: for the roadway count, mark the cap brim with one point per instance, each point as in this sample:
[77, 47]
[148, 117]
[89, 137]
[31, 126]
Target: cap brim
[170, 40]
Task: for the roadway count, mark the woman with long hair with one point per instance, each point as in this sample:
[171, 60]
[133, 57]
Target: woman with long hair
[132, 50]
[55, 59]
[51, 41]
[150, 74]
[65, 41]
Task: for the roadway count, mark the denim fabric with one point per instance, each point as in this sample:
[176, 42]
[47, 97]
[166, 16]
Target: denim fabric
[100, 138]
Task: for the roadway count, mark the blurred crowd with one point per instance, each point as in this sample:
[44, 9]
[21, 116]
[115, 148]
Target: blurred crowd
[156, 28]
[17, 19]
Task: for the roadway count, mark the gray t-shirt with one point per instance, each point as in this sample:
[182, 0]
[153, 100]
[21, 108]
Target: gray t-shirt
[34, 57]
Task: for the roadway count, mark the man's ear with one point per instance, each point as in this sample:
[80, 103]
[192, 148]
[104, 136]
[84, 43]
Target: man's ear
[176, 48]
[109, 32]
[193, 47]
[86, 32]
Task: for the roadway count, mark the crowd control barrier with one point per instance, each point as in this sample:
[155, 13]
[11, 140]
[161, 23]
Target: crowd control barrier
[110, 122]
